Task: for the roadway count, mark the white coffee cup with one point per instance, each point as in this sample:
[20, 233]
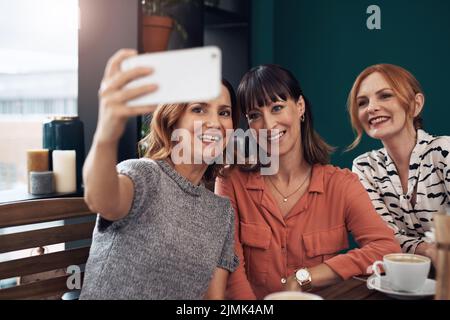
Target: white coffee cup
[404, 271]
[292, 295]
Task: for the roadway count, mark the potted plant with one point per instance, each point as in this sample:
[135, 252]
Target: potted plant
[157, 24]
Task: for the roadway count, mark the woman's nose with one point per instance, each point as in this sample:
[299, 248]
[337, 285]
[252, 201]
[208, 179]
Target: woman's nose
[213, 121]
[373, 106]
[269, 122]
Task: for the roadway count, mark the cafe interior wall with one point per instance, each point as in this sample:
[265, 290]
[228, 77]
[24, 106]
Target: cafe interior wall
[108, 25]
[105, 27]
[326, 43]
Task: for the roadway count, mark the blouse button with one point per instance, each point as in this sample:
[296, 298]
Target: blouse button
[283, 280]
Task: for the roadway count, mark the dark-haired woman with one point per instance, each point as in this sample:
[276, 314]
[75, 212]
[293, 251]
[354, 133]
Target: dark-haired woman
[291, 226]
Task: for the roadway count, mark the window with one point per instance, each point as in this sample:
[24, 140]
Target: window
[38, 77]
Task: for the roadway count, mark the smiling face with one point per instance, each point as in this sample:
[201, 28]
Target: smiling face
[281, 119]
[202, 127]
[380, 111]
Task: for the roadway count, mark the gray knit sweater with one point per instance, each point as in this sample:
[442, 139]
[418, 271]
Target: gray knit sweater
[169, 244]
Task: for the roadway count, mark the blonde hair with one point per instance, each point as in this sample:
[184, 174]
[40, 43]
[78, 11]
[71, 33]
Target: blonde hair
[402, 82]
[157, 145]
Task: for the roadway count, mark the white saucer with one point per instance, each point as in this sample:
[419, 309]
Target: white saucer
[428, 289]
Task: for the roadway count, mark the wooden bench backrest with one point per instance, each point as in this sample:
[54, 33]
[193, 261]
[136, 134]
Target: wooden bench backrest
[34, 212]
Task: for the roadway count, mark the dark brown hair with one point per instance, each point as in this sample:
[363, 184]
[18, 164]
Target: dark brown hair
[266, 84]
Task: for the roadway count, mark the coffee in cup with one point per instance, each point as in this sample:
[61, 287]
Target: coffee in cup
[404, 271]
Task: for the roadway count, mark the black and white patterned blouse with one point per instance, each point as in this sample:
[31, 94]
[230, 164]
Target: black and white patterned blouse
[429, 169]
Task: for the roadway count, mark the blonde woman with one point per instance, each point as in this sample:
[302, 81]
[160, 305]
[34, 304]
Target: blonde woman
[408, 179]
[159, 234]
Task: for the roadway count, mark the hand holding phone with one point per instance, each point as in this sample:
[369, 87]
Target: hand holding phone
[113, 96]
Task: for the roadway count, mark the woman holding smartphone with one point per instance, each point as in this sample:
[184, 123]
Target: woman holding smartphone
[292, 226]
[408, 179]
[160, 234]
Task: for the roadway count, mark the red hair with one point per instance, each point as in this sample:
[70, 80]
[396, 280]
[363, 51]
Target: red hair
[402, 82]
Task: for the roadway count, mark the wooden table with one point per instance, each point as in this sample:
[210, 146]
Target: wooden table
[352, 289]
[356, 289]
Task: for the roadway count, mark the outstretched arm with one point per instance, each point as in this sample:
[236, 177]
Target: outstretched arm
[106, 192]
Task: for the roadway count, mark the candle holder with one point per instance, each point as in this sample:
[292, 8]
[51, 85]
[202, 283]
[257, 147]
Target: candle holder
[65, 133]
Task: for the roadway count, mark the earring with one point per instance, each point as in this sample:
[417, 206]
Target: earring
[303, 118]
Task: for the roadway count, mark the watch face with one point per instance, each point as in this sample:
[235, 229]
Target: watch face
[302, 275]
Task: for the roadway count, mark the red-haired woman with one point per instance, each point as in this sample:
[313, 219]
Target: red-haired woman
[408, 179]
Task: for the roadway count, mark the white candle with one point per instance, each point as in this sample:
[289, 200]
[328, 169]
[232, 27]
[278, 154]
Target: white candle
[64, 170]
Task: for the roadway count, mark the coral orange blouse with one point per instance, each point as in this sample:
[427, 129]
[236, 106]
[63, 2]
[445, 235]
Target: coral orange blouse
[271, 247]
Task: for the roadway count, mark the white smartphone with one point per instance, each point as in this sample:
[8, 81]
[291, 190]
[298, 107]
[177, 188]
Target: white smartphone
[181, 75]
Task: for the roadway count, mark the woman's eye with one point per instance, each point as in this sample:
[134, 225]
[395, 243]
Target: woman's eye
[225, 113]
[253, 116]
[277, 108]
[362, 103]
[197, 109]
[386, 96]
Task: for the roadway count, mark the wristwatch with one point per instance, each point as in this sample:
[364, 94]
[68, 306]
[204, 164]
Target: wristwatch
[303, 278]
